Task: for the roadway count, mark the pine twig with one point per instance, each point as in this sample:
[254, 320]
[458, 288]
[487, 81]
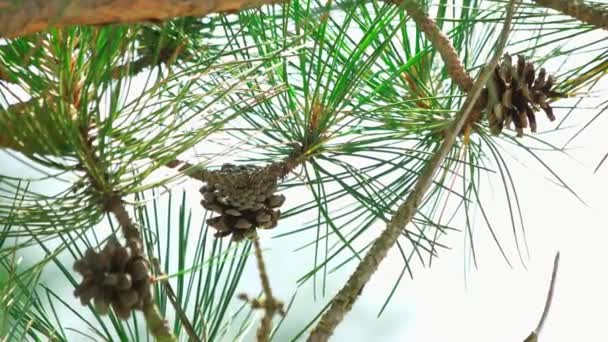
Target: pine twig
[533, 337]
[344, 300]
[156, 323]
[278, 169]
[270, 304]
[590, 13]
[178, 309]
[441, 42]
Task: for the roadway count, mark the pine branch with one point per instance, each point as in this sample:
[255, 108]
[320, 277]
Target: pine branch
[29, 16]
[344, 300]
[174, 301]
[533, 337]
[590, 13]
[112, 202]
[270, 304]
[278, 169]
[156, 323]
[441, 42]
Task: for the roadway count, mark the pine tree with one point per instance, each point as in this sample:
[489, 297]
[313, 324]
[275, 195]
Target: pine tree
[120, 117]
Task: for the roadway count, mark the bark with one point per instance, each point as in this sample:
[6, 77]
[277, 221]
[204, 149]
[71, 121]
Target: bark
[441, 42]
[18, 18]
[590, 13]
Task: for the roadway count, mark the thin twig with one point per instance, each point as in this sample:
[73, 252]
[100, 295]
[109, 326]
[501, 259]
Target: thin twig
[533, 337]
[270, 304]
[343, 301]
[178, 308]
[590, 13]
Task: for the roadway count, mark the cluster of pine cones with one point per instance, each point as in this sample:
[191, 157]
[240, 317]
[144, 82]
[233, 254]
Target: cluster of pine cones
[117, 276]
[244, 197]
[514, 93]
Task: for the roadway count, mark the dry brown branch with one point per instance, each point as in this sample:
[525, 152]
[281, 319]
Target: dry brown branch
[173, 299]
[19, 18]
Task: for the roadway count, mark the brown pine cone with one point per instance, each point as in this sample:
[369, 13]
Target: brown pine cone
[244, 197]
[117, 276]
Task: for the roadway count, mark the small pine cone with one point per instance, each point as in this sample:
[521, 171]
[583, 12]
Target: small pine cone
[86, 291]
[244, 197]
[128, 298]
[124, 281]
[114, 277]
[120, 258]
[515, 93]
[138, 269]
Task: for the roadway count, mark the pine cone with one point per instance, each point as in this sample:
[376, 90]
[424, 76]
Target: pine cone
[514, 93]
[117, 276]
[244, 197]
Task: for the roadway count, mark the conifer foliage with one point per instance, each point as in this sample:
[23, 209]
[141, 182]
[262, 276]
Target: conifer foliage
[150, 149]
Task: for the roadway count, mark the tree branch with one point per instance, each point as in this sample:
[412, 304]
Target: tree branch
[278, 169]
[590, 13]
[174, 301]
[344, 300]
[441, 42]
[19, 18]
[270, 304]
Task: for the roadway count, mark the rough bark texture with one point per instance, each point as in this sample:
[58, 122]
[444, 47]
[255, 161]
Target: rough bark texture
[18, 18]
[441, 42]
[595, 14]
[343, 301]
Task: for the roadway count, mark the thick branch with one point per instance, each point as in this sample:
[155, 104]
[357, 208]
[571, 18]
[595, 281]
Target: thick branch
[593, 14]
[342, 303]
[441, 42]
[18, 18]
